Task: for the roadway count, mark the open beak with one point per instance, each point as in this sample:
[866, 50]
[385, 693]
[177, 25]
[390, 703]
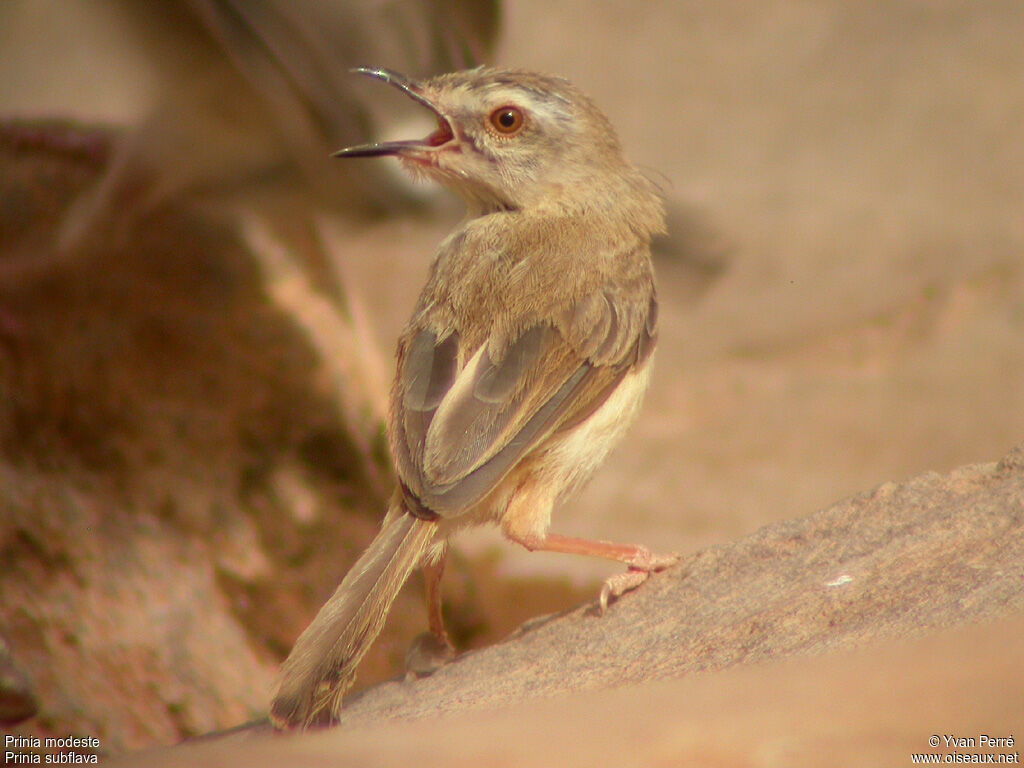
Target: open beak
[442, 135]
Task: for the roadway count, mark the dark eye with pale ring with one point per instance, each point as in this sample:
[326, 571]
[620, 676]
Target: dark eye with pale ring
[507, 121]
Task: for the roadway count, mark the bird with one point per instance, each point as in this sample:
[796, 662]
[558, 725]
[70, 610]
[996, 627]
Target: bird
[525, 358]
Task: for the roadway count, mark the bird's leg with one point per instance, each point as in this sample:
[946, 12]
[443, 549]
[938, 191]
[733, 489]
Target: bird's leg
[431, 650]
[432, 573]
[640, 560]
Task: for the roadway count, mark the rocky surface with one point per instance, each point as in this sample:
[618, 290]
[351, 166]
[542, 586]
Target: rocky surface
[902, 560]
[789, 647]
[872, 707]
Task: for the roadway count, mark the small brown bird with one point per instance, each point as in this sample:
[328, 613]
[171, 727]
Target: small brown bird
[525, 359]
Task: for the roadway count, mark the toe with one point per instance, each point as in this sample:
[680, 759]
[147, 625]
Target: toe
[645, 560]
[427, 654]
[619, 584]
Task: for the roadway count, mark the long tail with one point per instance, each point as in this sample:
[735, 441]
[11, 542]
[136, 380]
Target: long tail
[322, 664]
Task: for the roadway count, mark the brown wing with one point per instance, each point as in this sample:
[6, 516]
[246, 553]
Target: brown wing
[457, 432]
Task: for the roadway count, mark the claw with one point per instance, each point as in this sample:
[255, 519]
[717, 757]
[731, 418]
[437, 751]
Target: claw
[620, 584]
[642, 565]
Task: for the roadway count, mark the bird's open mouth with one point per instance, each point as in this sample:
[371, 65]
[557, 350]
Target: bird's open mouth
[439, 137]
[442, 135]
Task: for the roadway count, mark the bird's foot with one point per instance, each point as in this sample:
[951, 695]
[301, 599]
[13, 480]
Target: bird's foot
[427, 653]
[641, 565]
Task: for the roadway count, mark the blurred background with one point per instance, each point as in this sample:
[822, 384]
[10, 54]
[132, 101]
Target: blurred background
[198, 308]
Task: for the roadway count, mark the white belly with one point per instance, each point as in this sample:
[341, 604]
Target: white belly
[580, 452]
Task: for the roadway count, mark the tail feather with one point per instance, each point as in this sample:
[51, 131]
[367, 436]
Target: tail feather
[322, 664]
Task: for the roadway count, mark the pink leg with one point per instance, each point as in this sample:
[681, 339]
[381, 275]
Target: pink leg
[432, 574]
[430, 650]
[640, 559]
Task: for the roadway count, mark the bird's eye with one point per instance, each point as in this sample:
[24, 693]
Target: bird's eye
[507, 120]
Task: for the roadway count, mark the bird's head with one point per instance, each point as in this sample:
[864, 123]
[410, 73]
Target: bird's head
[504, 138]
